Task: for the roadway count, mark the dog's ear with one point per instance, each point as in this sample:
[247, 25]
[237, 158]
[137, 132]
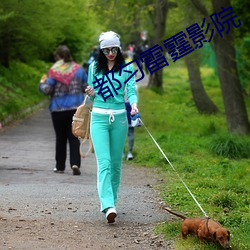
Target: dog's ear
[214, 235]
[228, 237]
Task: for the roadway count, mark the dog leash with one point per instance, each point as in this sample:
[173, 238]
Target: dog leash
[174, 169]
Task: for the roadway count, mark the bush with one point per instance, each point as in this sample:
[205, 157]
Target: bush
[231, 146]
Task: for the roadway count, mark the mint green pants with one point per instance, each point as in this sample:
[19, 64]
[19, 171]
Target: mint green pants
[108, 136]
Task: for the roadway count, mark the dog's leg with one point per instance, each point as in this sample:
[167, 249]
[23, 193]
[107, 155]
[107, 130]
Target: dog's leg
[184, 235]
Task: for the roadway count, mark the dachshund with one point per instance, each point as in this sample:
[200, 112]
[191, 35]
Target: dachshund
[204, 229]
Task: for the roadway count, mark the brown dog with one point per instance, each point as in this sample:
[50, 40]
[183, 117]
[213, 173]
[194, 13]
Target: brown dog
[204, 229]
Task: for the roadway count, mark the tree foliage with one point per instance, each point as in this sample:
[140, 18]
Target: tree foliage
[243, 42]
[32, 32]
[33, 29]
[128, 18]
[240, 7]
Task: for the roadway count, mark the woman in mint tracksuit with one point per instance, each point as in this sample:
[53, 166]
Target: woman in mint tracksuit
[109, 123]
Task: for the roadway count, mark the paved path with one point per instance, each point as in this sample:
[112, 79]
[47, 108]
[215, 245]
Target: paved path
[26, 163]
[31, 191]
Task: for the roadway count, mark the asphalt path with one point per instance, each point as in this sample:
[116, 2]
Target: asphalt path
[31, 190]
[26, 164]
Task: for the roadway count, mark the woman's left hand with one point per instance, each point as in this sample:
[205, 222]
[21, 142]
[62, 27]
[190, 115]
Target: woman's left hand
[134, 109]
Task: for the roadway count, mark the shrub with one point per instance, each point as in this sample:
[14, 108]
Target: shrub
[230, 146]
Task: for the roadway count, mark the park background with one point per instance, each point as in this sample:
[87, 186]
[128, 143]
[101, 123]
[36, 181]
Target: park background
[197, 108]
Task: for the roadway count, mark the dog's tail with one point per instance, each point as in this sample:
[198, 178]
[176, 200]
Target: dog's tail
[175, 213]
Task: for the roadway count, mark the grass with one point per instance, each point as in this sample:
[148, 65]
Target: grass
[214, 164]
[19, 88]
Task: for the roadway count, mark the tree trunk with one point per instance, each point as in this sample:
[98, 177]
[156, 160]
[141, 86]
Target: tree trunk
[155, 80]
[201, 99]
[235, 109]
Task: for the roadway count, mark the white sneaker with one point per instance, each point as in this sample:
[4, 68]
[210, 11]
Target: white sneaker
[111, 214]
[130, 156]
[58, 171]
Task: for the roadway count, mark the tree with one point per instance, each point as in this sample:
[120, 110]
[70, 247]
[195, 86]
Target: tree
[28, 33]
[243, 43]
[201, 99]
[127, 18]
[162, 7]
[233, 98]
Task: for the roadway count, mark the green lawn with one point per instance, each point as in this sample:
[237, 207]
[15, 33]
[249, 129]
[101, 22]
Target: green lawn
[214, 164]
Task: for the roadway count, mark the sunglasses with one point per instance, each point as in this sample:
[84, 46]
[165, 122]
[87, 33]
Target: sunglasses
[106, 51]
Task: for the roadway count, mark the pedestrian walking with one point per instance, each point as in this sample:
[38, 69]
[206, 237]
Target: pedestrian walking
[65, 83]
[109, 125]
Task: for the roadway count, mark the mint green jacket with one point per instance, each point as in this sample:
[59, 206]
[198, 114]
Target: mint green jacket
[105, 99]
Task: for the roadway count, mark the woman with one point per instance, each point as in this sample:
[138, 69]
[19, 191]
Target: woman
[65, 83]
[109, 123]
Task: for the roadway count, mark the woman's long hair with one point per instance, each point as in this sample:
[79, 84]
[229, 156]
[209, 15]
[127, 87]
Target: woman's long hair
[102, 66]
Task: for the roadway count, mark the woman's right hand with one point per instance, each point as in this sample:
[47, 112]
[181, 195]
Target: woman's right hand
[90, 91]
